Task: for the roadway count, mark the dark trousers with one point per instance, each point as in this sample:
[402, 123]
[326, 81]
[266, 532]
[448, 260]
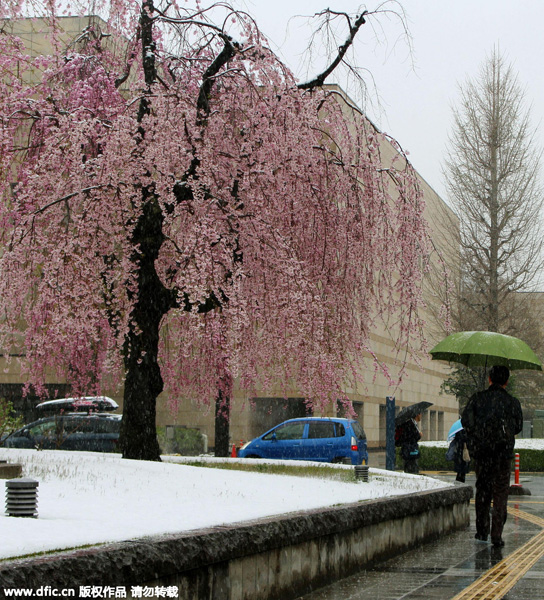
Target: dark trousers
[411, 466]
[492, 484]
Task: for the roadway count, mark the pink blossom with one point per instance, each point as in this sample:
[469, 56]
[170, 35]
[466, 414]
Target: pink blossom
[294, 224]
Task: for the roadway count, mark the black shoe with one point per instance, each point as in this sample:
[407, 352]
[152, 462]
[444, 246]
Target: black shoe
[497, 543]
[480, 537]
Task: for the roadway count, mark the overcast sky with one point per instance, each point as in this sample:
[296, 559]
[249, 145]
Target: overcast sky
[417, 87]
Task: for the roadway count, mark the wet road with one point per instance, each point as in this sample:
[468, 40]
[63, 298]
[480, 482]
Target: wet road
[457, 566]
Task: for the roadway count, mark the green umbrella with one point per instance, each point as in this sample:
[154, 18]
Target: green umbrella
[486, 349]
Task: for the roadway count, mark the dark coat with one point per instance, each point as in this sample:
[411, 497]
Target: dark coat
[491, 420]
[407, 437]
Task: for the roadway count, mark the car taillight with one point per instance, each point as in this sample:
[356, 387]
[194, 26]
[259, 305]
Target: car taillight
[354, 446]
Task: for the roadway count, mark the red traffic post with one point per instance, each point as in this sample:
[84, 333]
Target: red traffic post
[516, 470]
[233, 453]
[516, 489]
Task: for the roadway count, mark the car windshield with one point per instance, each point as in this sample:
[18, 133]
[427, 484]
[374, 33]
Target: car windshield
[358, 430]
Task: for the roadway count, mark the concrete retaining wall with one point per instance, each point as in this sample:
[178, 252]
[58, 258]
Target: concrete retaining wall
[277, 558]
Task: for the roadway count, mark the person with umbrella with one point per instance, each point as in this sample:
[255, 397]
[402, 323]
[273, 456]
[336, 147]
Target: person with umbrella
[407, 435]
[491, 420]
[458, 451]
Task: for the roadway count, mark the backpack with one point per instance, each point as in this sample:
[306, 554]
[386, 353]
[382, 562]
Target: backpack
[492, 431]
[492, 435]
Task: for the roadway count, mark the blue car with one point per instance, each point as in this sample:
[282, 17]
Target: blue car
[311, 438]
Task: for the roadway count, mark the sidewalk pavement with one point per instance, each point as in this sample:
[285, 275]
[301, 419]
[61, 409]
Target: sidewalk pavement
[458, 567]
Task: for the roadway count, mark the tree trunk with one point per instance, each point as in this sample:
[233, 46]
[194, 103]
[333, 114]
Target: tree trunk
[222, 418]
[143, 382]
[493, 308]
[143, 379]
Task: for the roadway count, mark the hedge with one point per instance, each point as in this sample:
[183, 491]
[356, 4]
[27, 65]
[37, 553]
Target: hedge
[433, 458]
[185, 441]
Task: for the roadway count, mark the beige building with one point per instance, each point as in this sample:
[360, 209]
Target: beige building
[252, 416]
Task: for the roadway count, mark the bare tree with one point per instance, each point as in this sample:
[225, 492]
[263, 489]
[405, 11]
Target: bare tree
[492, 174]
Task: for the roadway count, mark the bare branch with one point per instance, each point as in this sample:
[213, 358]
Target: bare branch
[353, 29]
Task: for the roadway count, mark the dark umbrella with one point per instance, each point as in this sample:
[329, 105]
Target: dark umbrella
[409, 412]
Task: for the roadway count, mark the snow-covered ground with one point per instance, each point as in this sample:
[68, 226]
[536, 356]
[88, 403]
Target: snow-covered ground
[89, 498]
